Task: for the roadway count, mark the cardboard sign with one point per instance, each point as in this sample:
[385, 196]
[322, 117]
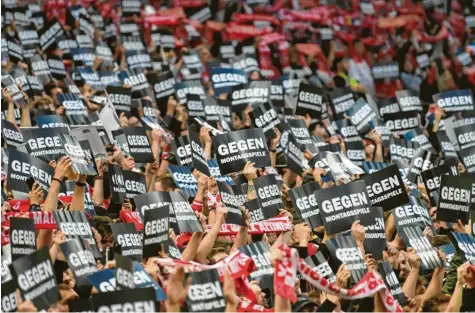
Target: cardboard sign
[40, 69]
[36, 280]
[294, 156]
[81, 164]
[388, 105]
[422, 160]
[139, 146]
[18, 98]
[375, 237]
[386, 188]
[22, 166]
[454, 199]
[269, 194]
[320, 264]
[408, 101]
[338, 170]
[223, 79]
[401, 122]
[80, 305]
[467, 156]
[185, 216]
[242, 95]
[182, 150]
[216, 173]
[138, 300]
[74, 106]
[445, 145]
[124, 273]
[155, 230]
[232, 202]
[372, 167]
[300, 132]
[56, 67]
[255, 211]
[45, 143]
[464, 244]
[417, 135]
[206, 292]
[465, 136]
[345, 249]
[217, 110]
[385, 71]
[131, 7]
[15, 51]
[152, 200]
[93, 138]
[138, 59]
[184, 179]
[414, 238]
[305, 203]
[414, 213]
[29, 84]
[197, 154]
[116, 183]
[402, 150]
[137, 79]
[455, 100]
[129, 240]
[189, 87]
[195, 106]
[12, 134]
[391, 280]
[171, 249]
[310, 100]
[347, 130]
[341, 206]
[22, 237]
[355, 152]
[277, 94]
[246, 63]
[233, 150]
[431, 178]
[341, 100]
[80, 260]
[362, 116]
[9, 299]
[74, 225]
[134, 183]
[260, 254]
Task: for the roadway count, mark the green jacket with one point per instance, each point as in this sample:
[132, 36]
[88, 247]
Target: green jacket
[451, 279]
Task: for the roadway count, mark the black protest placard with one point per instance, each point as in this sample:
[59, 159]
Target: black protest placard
[464, 244]
[465, 136]
[260, 254]
[341, 100]
[233, 150]
[385, 188]
[355, 152]
[15, 51]
[138, 59]
[120, 97]
[223, 79]
[56, 67]
[81, 164]
[22, 237]
[269, 194]
[320, 264]
[45, 143]
[294, 155]
[345, 250]
[155, 230]
[422, 160]
[417, 135]
[124, 272]
[18, 98]
[48, 34]
[74, 106]
[131, 7]
[137, 300]
[226, 51]
[375, 236]
[388, 105]
[264, 116]
[195, 106]
[74, 224]
[454, 199]
[91, 77]
[231, 201]
[80, 305]
[40, 69]
[83, 56]
[362, 116]
[256, 92]
[198, 159]
[392, 281]
[152, 200]
[184, 179]
[104, 53]
[129, 240]
[305, 203]
[116, 183]
[445, 145]
[301, 134]
[402, 122]
[134, 184]
[455, 100]
[310, 100]
[80, 260]
[9, 299]
[402, 150]
[185, 216]
[431, 179]
[28, 37]
[170, 248]
[341, 206]
[408, 100]
[36, 279]
[413, 237]
[277, 94]
[467, 156]
[12, 134]
[217, 110]
[189, 87]
[139, 146]
[255, 211]
[338, 170]
[137, 79]
[206, 292]
[347, 130]
[385, 71]
[414, 213]
[246, 63]
[22, 166]
[182, 150]
[29, 84]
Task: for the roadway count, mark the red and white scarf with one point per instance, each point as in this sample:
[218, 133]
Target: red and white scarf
[286, 274]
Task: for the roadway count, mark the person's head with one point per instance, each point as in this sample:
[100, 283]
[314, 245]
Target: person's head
[437, 303]
[358, 47]
[255, 76]
[408, 66]
[217, 254]
[205, 54]
[340, 65]
[260, 295]
[165, 183]
[304, 304]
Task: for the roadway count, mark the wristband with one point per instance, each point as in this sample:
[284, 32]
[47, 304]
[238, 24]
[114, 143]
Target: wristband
[80, 184]
[56, 179]
[272, 150]
[98, 177]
